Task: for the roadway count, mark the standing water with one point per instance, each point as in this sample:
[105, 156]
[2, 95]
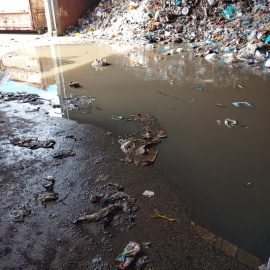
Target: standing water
[224, 169]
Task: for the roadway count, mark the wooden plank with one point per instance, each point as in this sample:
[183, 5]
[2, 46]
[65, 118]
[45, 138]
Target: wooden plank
[218, 243]
[229, 248]
[248, 259]
[206, 235]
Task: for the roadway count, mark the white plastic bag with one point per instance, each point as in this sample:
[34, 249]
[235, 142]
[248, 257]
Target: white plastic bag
[211, 56]
[212, 2]
[178, 50]
[265, 266]
[149, 47]
[259, 55]
[267, 63]
[230, 58]
[251, 48]
[100, 62]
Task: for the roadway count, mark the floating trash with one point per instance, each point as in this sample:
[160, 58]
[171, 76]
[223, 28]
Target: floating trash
[243, 104]
[74, 84]
[100, 62]
[230, 123]
[116, 117]
[220, 105]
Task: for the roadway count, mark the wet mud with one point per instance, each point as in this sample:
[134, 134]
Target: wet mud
[48, 238]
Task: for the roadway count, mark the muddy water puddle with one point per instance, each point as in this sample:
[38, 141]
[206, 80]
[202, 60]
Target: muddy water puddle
[224, 169]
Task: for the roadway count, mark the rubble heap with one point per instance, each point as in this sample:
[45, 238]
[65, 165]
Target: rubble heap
[240, 28]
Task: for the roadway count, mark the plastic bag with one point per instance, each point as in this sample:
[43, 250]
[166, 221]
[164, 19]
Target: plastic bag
[252, 35]
[267, 63]
[230, 58]
[265, 266]
[212, 2]
[259, 55]
[212, 56]
[229, 11]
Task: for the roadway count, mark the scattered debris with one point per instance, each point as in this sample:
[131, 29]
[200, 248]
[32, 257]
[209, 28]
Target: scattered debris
[126, 143]
[22, 97]
[243, 104]
[143, 151]
[18, 212]
[124, 259]
[267, 63]
[48, 182]
[100, 62]
[230, 123]
[102, 177]
[145, 244]
[143, 263]
[116, 206]
[220, 105]
[148, 193]
[212, 56]
[32, 143]
[63, 154]
[73, 102]
[158, 215]
[265, 266]
[100, 214]
[74, 84]
[116, 117]
[49, 197]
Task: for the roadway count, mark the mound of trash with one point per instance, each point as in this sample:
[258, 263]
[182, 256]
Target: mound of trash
[240, 29]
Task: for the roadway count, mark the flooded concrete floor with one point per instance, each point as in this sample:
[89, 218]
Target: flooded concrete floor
[211, 162]
[47, 239]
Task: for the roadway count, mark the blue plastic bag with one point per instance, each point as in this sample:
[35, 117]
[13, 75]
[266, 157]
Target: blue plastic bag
[267, 39]
[230, 11]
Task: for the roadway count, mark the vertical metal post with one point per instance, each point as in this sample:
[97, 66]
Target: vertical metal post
[48, 14]
[55, 32]
[52, 17]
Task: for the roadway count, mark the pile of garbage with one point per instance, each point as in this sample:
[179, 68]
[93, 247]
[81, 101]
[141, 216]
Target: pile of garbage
[241, 29]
